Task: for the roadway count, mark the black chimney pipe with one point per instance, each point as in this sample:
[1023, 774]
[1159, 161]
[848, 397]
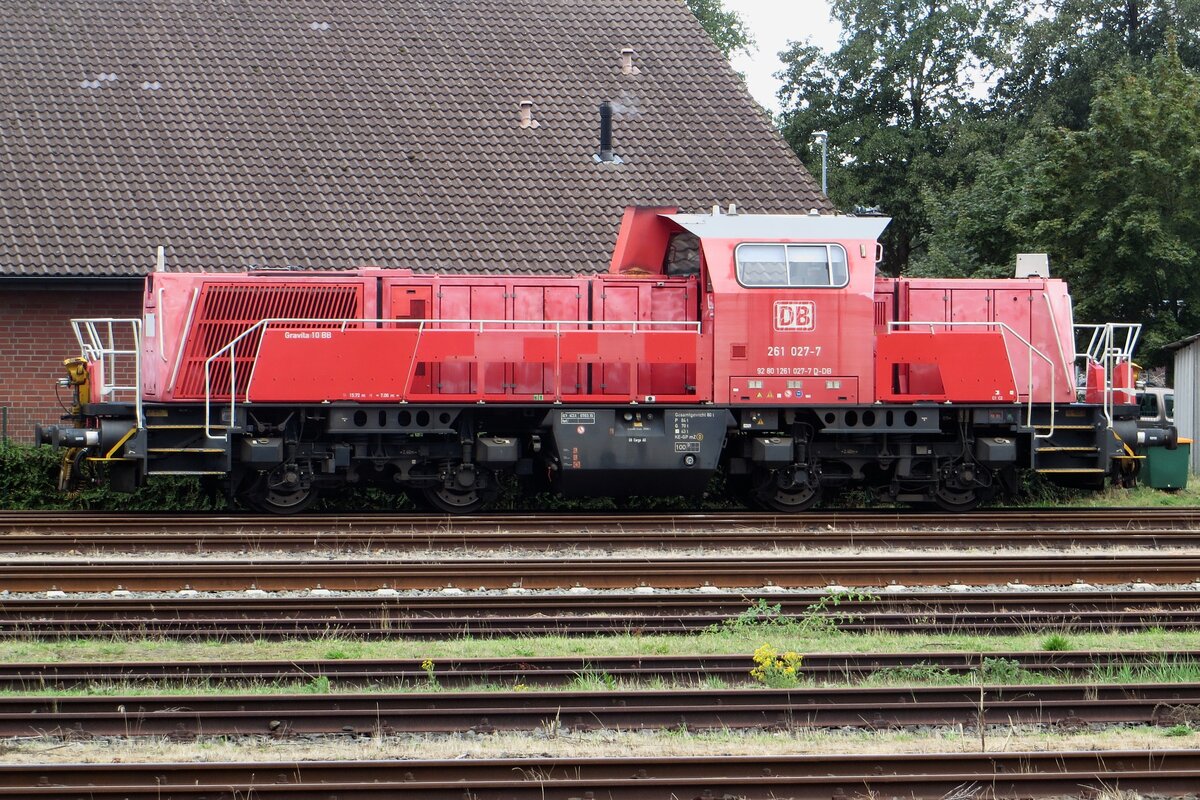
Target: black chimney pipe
[606, 143]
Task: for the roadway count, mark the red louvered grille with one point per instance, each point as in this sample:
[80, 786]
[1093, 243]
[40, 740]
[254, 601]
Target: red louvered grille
[882, 317]
[226, 310]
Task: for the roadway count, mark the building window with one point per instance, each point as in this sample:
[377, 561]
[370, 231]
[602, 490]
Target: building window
[792, 265]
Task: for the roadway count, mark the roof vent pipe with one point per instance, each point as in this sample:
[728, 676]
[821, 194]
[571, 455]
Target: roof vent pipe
[606, 154]
[527, 120]
[627, 67]
[606, 148]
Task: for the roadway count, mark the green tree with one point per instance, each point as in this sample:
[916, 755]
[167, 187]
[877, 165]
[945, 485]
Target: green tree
[725, 27]
[1068, 46]
[1117, 205]
[904, 79]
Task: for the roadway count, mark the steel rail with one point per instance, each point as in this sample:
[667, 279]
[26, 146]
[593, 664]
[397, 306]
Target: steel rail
[281, 715]
[1015, 518]
[434, 617]
[705, 536]
[42, 532]
[210, 574]
[553, 671]
[802, 777]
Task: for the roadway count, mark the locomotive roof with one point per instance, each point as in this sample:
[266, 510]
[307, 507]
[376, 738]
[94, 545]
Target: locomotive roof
[780, 226]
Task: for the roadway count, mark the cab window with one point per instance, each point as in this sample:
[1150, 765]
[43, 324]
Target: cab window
[792, 265]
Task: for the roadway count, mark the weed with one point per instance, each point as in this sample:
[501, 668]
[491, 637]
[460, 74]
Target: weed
[915, 673]
[1178, 730]
[1056, 642]
[775, 669]
[430, 679]
[593, 682]
[318, 685]
[760, 614]
[1003, 670]
[336, 654]
[818, 618]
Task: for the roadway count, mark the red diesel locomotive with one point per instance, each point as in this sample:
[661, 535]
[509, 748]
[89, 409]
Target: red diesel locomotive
[765, 347]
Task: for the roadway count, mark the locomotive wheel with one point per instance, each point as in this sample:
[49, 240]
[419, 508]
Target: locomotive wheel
[457, 501]
[953, 499]
[783, 490]
[283, 500]
[460, 499]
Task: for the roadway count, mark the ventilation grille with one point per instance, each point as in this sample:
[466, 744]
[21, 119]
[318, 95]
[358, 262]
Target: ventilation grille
[737, 351]
[226, 310]
[882, 317]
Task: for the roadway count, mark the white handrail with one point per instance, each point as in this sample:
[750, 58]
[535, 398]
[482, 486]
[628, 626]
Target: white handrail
[1105, 349]
[344, 322]
[1029, 345]
[97, 339]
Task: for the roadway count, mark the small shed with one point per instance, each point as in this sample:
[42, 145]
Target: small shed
[1187, 399]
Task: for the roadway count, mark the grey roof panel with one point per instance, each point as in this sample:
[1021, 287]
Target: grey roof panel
[779, 226]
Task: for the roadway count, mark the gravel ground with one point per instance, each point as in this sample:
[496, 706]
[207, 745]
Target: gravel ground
[595, 744]
[782, 592]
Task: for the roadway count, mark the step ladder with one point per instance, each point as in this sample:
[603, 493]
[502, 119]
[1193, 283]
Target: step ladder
[183, 448]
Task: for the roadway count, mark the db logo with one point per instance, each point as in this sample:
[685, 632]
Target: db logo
[794, 315]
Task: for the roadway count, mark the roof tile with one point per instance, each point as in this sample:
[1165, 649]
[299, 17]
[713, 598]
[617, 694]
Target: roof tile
[335, 134]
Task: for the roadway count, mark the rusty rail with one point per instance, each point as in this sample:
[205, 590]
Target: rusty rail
[436, 617]
[554, 671]
[207, 574]
[282, 715]
[804, 777]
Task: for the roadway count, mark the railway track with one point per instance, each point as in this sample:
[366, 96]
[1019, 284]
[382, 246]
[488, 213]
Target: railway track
[815, 777]
[53, 532]
[554, 671]
[213, 575]
[182, 717]
[434, 617]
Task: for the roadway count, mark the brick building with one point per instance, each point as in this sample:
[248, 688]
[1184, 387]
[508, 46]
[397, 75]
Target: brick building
[441, 135]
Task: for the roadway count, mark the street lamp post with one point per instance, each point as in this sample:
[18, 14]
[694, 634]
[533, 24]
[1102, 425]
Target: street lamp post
[823, 138]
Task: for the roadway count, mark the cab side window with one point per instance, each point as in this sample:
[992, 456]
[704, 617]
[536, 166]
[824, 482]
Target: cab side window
[792, 265]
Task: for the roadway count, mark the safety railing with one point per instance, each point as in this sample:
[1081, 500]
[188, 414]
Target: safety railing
[114, 345]
[1032, 349]
[422, 326]
[1109, 344]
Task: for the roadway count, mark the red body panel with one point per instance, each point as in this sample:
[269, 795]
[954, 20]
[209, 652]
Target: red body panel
[1031, 317]
[647, 331]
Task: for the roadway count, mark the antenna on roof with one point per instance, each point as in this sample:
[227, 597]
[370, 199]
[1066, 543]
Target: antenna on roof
[160, 261]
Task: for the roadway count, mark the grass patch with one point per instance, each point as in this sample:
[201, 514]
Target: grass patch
[771, 669]
[1056, 642]
[723, 640]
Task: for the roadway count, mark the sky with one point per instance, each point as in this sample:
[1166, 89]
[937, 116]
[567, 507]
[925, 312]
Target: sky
[774, 23]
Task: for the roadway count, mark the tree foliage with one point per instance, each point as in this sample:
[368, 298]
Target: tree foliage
[890, 97]
[1118, 203]
[1068, 46]
[989, 128]
[723, 26]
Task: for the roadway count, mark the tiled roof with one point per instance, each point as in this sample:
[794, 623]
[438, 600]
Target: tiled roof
[339, 133]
